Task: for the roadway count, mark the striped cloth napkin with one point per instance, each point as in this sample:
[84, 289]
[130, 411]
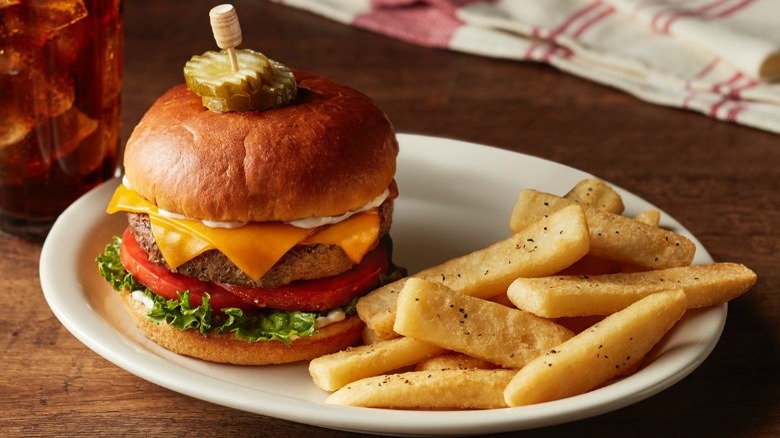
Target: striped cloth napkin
[718, 57]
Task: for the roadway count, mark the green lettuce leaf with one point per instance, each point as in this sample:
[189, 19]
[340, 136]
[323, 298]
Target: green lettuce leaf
[261, 325]
[112, 269]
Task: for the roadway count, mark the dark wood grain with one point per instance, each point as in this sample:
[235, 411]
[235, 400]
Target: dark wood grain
[722, 181]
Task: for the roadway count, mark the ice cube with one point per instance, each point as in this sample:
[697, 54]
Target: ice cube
[51, 16]
[11, 19]
[68, 130]
[15, 127]
[99, 139]
[35, 83]
[68, 42]
[52, 139]
[11, 62]
[8, 3]
[51, 93]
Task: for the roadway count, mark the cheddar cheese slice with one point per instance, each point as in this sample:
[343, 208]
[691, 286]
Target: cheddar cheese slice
[254, 247]
[354, 235]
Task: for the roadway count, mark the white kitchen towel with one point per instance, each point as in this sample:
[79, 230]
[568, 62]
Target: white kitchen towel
[718, 57]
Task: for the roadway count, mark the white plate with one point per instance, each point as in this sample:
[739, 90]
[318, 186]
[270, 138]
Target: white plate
[455, 197]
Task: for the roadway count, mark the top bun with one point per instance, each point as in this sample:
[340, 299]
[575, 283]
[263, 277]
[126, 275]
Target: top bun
[329, 152]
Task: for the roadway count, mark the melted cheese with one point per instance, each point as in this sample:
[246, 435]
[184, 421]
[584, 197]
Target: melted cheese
[354, 235]
[255, 247]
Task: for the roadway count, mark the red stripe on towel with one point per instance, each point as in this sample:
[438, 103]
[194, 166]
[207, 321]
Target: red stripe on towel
[604, 13]
[576, 15]
[702, 12]
[430, 24]
[715, 10]
[730, 11]
[733, 96]
[700, 75]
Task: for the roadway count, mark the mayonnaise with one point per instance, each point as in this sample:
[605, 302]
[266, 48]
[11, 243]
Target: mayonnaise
[314, 222]
[141, 297]
[332, 317]
[206, 222]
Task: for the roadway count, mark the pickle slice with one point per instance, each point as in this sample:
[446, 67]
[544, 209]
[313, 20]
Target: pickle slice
[260, 83]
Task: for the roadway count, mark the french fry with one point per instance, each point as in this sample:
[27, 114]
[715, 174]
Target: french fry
[449, 389]
[595, 193]
[369, 336]
[559, 296]
[453, 361]
[542, 248]
[612, 236]
[479, 328]
[332, 371]
[377, 309]
[649, 217]
[630, 369]
[598, 354]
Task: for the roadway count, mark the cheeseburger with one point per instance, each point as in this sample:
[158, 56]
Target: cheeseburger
[251, 234]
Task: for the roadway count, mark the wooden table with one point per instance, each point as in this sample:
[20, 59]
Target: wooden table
[721, 181]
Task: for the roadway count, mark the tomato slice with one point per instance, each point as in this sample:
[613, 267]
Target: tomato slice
[166, 283]
[321, 294]
[307, 295]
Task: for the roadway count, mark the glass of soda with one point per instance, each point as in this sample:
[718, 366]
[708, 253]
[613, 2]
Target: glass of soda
[60, 82]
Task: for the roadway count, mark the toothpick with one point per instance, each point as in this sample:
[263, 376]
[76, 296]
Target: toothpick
[227, 31]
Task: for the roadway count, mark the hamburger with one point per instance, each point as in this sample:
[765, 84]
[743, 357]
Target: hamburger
[251, 234]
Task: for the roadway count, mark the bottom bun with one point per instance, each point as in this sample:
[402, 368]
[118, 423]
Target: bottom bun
[226, 348]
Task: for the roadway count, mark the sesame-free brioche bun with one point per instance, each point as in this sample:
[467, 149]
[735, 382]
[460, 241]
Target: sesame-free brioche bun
[333, 150]
[226, 348]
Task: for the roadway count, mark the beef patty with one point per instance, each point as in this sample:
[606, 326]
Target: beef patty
[303, 262]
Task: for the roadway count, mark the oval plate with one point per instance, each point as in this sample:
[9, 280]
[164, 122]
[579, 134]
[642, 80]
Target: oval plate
[455, 197]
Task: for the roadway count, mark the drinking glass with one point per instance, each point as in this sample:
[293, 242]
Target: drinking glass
[60, 82]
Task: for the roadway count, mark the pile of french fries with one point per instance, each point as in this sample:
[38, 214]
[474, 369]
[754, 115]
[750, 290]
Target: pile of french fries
[574, 298]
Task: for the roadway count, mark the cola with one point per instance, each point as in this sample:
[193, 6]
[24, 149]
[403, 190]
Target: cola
[60, 82]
